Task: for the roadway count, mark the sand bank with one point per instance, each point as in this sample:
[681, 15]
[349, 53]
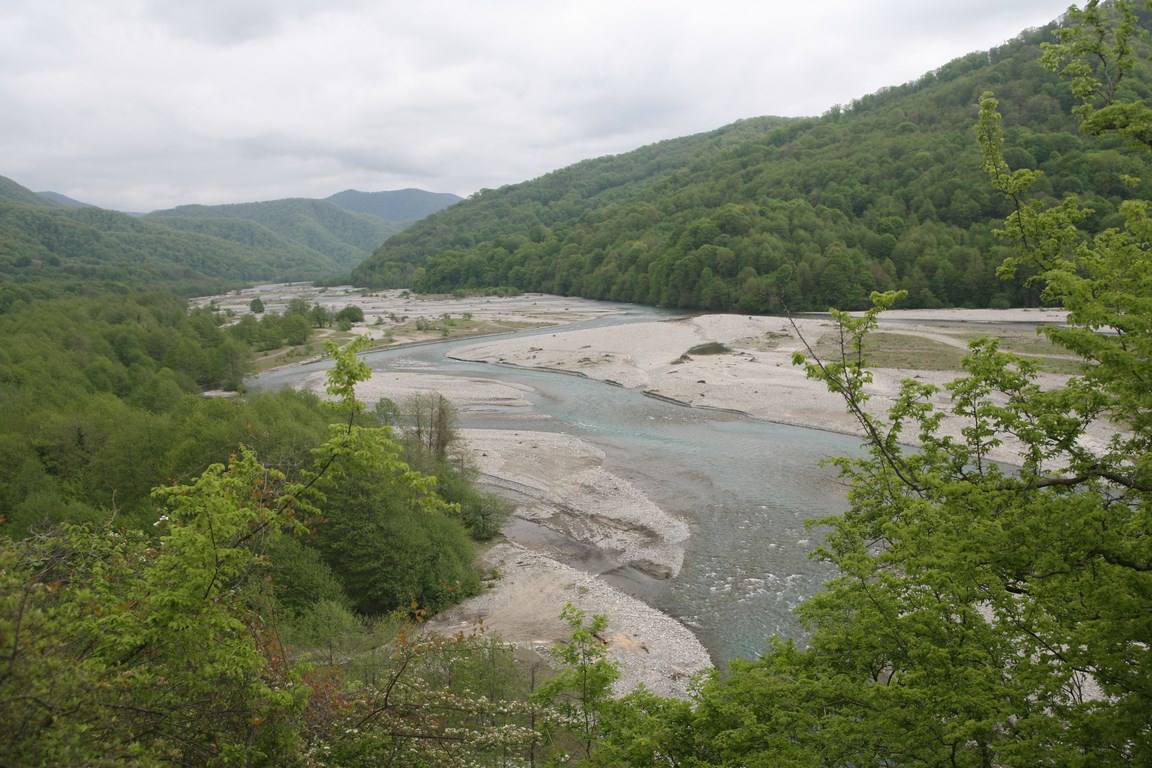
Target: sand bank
[599, 524]
[756, 375]
[523, 607]
[559, 482]
[466, 393]
[573, 522]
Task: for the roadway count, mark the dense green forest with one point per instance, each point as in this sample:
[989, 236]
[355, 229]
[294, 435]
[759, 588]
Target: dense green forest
[805, 214]
[105, 438]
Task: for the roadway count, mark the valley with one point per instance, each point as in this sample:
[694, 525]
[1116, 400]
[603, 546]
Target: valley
[665, 489]
[775, 392]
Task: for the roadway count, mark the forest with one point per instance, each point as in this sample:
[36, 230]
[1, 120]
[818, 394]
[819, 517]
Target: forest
[191, 580]
[769, 214]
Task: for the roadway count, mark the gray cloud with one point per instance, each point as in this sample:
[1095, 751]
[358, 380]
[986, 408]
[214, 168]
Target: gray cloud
[140, 104]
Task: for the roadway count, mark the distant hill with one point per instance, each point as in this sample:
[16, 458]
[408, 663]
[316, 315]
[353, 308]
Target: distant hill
[399, 205]
[342, 238]
[47, 246]
[11, 192]
[50, 240]
[767, 214]
[64, 200]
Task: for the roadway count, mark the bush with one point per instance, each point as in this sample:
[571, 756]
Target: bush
[351, 314]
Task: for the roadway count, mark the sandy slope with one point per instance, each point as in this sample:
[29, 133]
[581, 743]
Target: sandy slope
[523, 606]
[559, 482]
[465, 393]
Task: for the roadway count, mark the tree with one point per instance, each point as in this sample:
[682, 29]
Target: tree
[385, 532]
[321, 317]
[119, 649]
[297, 306]
[583, 686]
[389, 537]
[431, 421]
[256, 305]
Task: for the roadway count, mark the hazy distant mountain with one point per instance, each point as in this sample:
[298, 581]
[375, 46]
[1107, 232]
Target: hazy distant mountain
[46, 243]
[50, 239]
[11, 192]
[398, 205]
[343, 238]
[64, 200]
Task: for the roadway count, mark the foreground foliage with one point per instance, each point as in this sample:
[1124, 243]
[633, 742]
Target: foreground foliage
[120, 649]
[265, 617]
[983, 615]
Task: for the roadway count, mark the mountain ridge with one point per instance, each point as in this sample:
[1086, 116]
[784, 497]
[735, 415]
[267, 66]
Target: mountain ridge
[396, 205]
[343, 238]
[47, 247]
[69, 202]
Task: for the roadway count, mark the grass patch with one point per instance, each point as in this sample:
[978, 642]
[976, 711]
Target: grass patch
[764, 342]
[284, 355]
[709, 348]
[1053, 365]
[898, 350]
[1020, 342]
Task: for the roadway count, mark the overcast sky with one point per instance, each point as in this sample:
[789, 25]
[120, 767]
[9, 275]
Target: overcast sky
[144, 104]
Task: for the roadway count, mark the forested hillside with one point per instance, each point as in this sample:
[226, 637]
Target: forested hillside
[338, 238]
[766, 214]
[396, 205]
[11, 192]
[47, 247]
[198, 581]
[64, 200]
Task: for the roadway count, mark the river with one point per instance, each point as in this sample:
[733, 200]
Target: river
[745, 487]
